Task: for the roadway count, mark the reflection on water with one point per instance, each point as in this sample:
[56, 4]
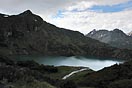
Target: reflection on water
[93, 63]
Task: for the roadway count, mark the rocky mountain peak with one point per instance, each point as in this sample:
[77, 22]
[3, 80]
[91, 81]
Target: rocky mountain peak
[130, 33]
[93, 31]
[27, 12]
[97, 33]
[117, 30]
[31, 19]
[29, 15]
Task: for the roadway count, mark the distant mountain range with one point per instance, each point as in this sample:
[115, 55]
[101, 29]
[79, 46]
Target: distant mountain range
[29, 34]
[130, 34]
[115, 38]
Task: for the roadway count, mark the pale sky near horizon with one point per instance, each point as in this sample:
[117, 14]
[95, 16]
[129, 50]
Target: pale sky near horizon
[78, 15]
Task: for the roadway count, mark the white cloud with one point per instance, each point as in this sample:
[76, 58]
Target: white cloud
[81, 5]
[85, 21]
[88, 20]
[109, 2]
[84, 4]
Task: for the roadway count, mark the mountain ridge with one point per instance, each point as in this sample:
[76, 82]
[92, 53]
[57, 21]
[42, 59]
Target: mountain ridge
[115, 38]
[28, 34]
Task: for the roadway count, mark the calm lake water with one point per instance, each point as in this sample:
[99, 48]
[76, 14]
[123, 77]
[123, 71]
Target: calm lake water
[91, 62]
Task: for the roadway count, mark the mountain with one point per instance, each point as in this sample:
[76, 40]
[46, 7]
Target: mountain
[28, 34]
[130, 33]
[115, 38]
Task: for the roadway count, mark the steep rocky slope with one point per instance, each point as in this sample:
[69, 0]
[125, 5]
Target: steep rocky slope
[115, 38]
[28, 34]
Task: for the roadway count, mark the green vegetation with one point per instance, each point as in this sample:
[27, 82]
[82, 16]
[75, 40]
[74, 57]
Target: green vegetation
[62, 71]
[36, 84]
[125, 83]
[79, 76]
[116, 76]
[29, 74]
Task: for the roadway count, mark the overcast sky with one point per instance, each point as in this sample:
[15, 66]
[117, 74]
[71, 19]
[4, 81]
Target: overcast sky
[80, 15]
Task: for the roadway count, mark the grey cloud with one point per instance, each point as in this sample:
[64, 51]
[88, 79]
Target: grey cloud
[44, 6]
[38, 6]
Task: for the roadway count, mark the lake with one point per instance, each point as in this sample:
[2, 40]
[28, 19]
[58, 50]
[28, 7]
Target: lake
[91, 62]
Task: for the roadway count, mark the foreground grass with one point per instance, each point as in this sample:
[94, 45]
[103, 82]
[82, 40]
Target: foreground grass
[62, 71]
[36, 84]
[79, 76]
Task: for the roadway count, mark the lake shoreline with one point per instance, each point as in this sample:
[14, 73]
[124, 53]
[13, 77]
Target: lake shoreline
[75, 61]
